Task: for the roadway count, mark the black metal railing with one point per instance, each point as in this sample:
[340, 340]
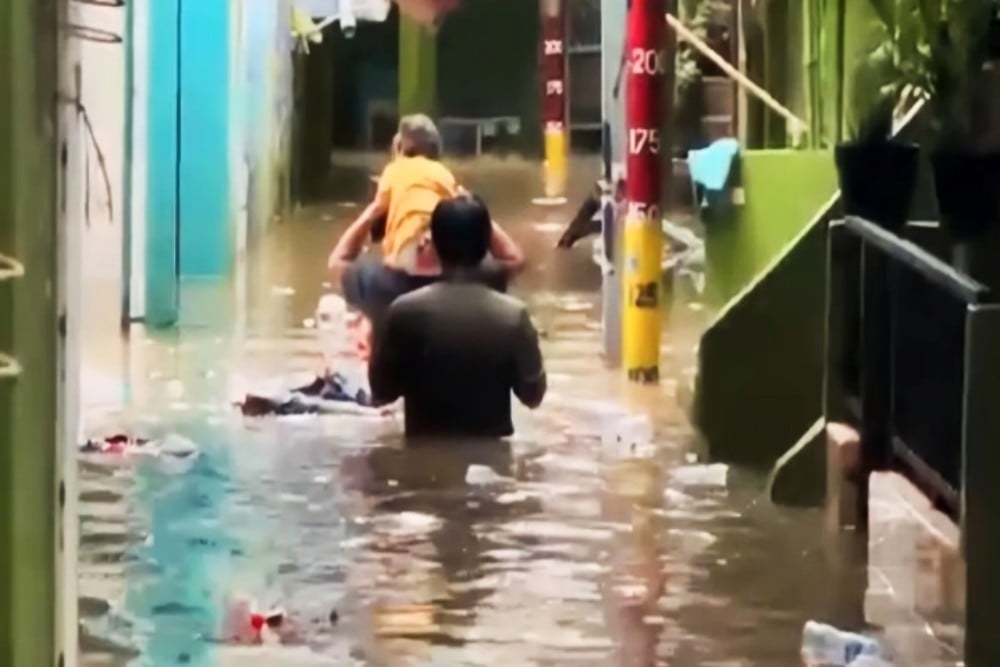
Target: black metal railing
[913, 361]
[898, 320]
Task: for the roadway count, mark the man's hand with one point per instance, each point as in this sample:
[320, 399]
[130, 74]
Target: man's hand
[506, 251]
[530, 383]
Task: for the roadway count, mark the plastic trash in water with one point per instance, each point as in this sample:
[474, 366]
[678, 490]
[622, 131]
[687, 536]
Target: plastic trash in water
[245, 623]
[826, 646]
[172, 446]
[712, 475]
[480, 475]
[869, 661]
[178, 446]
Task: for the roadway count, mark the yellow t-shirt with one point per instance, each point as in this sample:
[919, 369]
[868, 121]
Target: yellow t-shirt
[410, 188]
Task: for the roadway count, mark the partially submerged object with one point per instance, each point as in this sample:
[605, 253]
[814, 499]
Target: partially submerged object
[327, 394]
[173, 445]
[684, 254]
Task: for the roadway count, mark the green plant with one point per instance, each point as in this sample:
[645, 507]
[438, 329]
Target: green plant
[931, 50]
[951, 61]
[697, 16]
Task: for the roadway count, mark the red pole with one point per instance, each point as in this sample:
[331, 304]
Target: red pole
[645, 43]
[647, 63]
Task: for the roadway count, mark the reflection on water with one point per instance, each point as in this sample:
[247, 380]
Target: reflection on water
[563, 546]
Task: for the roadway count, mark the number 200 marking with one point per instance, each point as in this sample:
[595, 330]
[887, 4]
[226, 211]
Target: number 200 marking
[553, 47]
[649, 62]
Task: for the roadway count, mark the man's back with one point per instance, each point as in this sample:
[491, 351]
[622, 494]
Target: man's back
[455, 351]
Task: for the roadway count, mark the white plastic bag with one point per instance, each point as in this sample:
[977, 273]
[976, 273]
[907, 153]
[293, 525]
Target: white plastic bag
[826, 646]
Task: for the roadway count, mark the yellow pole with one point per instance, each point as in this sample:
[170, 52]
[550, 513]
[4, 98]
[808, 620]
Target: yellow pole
[553, 55]
[555, 162]
[642, 316]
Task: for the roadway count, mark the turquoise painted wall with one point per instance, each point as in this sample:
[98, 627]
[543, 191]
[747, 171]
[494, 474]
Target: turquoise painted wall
[206, 239]
[162, 208]
[189, 229]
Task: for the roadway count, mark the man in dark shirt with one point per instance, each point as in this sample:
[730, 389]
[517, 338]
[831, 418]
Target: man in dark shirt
[456, 349]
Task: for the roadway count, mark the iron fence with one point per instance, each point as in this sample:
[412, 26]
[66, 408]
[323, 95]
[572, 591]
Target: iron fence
[897, 328]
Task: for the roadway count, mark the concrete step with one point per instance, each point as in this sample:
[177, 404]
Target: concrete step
[718, 127]
[718, 95]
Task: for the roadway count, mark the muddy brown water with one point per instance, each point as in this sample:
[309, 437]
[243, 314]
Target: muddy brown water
[578, 550]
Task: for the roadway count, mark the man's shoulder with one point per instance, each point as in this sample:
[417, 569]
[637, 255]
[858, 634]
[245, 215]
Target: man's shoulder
[482, 295]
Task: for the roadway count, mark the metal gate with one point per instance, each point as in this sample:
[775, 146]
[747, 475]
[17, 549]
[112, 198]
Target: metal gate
[584, 73]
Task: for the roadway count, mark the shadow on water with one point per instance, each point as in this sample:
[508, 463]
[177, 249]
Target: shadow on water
[557, 547]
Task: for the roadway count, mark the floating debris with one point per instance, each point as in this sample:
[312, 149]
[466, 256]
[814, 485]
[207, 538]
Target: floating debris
[826, 646]
[480, 475]
[712, 475]
[173, 445]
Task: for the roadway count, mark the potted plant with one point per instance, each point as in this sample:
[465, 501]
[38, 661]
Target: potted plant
[877, 172]
[950, 74]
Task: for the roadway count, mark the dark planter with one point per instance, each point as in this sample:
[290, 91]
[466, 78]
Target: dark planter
[877, 180]
[968, 198]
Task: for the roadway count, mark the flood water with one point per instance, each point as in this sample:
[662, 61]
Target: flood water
[577, 549]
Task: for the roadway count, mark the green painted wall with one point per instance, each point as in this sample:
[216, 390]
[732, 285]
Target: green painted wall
[28, 197]
[418, 68]
[783, 190]
[760, 363]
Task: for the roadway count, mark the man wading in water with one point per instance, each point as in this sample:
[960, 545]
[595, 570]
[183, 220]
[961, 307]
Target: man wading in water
[455, 350]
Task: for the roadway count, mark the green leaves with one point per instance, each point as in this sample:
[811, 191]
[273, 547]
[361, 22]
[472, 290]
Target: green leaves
[922, 49]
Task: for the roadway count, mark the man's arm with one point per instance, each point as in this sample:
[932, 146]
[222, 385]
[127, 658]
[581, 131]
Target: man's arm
[505, 250]
[352, 241]
[529, 371]
[386, 365]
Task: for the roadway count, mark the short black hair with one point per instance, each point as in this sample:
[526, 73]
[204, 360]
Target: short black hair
[461, 229]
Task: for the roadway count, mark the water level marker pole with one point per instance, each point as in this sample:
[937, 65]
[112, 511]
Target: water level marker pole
[553, 67]
[645, 82]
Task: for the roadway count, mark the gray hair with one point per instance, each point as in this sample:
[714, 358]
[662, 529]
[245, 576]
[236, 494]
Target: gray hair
[419, 136]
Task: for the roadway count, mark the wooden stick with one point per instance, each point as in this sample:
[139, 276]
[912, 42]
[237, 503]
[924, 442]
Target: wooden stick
[798, 125]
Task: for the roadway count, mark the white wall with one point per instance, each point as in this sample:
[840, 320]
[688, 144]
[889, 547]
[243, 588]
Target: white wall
[266, 55]
[102, 94]
[140, 129]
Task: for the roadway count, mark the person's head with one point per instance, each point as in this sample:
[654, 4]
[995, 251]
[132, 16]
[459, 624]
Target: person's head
[418, 136]
[460, 231]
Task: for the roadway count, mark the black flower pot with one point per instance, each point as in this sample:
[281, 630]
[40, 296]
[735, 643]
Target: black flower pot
[877, 180]
[968, 196]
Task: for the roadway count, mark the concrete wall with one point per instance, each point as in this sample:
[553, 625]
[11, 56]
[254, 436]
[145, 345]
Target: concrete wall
[267, 103]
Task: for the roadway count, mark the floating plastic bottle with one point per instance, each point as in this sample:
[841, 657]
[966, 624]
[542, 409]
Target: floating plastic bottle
[826, 646]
